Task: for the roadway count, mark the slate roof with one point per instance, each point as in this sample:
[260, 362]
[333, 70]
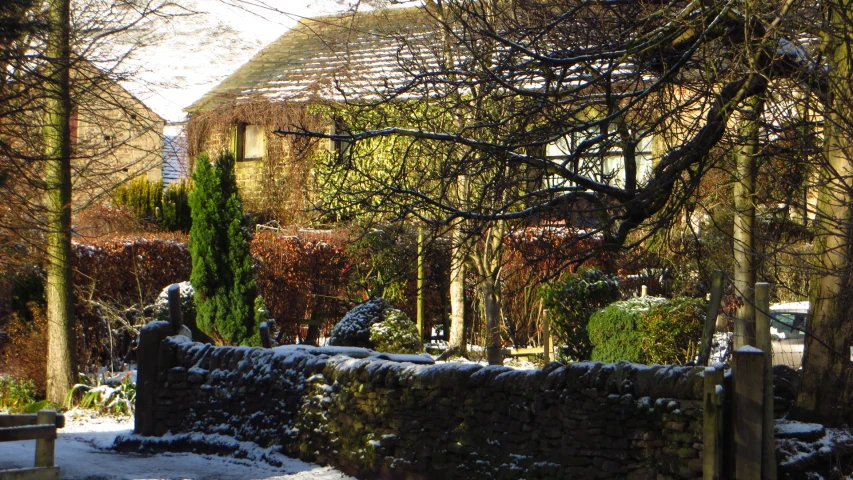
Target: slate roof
[332, 58]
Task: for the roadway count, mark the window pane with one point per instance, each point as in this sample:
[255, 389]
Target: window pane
[254, 142]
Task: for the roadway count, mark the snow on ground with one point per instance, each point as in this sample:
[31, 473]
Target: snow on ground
[82, 454]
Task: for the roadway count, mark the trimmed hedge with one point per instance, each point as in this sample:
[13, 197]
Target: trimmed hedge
[614, 330]
[670, 331]
[648, 330]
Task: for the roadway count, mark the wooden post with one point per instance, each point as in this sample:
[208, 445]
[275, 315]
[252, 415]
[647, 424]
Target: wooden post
[712, 434]
[266, 342]
[644, 290]
[176, 318]
[748, 371]
[421, 306]
[711, 316]
[763, 341]
[45, 446]
[546, 336]
[147, 386]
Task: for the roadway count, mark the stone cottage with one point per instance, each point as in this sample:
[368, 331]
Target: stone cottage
[323, 62]
[116, 137]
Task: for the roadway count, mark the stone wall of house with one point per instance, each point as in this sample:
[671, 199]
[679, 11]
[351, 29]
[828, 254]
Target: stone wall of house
[264, 184]
[384, 419]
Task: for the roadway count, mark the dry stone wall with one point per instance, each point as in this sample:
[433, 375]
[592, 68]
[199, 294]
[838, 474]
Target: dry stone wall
[376, 418]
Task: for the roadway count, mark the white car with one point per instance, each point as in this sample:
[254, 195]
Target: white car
[788, 332]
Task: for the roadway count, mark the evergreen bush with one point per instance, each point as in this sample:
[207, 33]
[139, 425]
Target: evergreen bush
[670, 331]
[222, 275]
[614, 330]
[396, 333]
[571, 301]
[175, 209]
[168, 208]
[354, 329]
[141, 196]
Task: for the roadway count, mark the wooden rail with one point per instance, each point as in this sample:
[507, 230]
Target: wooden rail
[40, 427]
[523, 352]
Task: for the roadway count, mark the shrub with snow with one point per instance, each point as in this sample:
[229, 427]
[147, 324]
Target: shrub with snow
[161, 305]
[396, 334]
[354, 329]
[648, 330]
[614, 330]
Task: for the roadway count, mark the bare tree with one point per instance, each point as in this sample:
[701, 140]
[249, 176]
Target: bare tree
[537, 106]
[68, 133]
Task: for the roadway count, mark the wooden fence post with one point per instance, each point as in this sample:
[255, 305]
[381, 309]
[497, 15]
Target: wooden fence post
[711, 316]
[45, 446]
[712, 431]
[147, 360]
[176, 317]
[546, 336]
[763, 341]
[748, 371]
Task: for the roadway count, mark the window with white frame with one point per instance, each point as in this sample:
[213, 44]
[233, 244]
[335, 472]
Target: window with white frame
[607, 166]
[337, 146]
[251, 142]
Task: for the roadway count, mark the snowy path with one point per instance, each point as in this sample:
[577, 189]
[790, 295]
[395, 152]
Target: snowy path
[80, 455]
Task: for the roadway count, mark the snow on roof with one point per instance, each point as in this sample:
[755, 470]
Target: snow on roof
[314, 60]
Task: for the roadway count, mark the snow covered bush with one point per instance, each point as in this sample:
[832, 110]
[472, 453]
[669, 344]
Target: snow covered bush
[186, 294]
[648, 330]
[614, 331]
[397, 333]
[571, 301]
[354, 329]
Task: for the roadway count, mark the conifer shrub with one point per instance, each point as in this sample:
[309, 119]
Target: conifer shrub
[141, 196]
[571, 302]
[614, 330]
[396, 333]
[222, 275]
[168, 208]
[175, 212]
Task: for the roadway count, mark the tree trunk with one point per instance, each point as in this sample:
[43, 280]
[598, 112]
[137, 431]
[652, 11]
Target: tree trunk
[421, 305]
[61, 355]
[826, 393]
[744, 223]
[493, 326]
[457, 295]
